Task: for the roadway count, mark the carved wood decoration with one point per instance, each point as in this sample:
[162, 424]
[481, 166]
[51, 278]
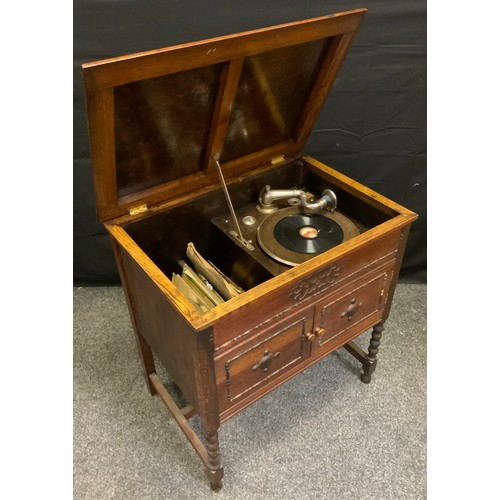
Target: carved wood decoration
[316, 283]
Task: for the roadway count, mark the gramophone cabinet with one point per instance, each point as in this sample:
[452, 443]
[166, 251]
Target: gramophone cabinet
[160, 125]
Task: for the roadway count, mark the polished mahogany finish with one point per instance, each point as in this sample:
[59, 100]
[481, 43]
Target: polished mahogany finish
[157, 121]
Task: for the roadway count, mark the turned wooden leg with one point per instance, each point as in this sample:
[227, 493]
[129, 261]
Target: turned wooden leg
[370, 361]
[215, 472]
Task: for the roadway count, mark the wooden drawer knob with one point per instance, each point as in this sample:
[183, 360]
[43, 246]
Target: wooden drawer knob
[351, 310]
[317, 334]
[265, 361]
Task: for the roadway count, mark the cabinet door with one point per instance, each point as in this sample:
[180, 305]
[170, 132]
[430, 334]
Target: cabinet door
[267, 355]
[343, 316]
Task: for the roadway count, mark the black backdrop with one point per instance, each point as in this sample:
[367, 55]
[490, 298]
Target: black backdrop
[372, 127]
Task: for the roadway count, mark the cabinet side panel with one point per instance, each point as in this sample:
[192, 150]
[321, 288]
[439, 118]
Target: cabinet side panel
[169, 336]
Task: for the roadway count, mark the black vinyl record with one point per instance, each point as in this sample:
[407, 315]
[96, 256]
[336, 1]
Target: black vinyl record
[292, 236]
[308, 233]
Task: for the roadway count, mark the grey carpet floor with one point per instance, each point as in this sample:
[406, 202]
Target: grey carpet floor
[322, 435]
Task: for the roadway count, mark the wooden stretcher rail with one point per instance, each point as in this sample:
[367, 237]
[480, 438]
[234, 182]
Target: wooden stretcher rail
[177, 413]
[355, 351]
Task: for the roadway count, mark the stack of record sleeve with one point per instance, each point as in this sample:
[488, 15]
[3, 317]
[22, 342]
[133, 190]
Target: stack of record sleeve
[202, 283]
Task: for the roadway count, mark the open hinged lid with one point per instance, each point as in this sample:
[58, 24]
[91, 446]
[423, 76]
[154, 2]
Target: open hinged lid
[158, 118]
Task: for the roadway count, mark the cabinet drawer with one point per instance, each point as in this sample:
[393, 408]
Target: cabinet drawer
[346, 315]
[256, 363]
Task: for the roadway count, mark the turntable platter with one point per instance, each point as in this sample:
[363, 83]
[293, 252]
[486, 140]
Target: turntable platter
[292, 235]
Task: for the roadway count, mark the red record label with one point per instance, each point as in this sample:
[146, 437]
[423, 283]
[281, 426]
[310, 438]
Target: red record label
[308, 232]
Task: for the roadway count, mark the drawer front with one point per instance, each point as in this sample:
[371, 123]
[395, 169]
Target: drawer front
[346, 315]
[255, 364]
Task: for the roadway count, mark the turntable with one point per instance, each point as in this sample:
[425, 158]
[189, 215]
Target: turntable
[286, 228]
[296, 235]
[202, 143]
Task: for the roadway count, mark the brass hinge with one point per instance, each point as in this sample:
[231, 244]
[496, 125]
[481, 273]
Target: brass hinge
[278, 159]
[139, 209]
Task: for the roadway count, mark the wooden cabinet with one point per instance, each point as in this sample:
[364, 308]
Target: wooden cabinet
[161, 125]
